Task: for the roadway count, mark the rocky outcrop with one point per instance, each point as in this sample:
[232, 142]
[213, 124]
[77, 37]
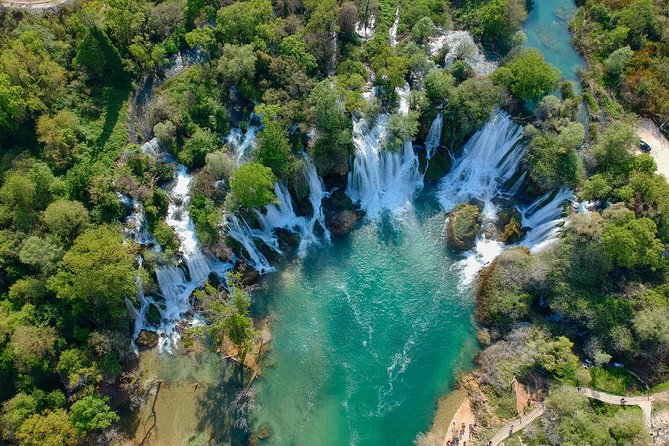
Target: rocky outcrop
[146, 340]
[341, 215]
[510, 225]
[462, 226]
[438, 166]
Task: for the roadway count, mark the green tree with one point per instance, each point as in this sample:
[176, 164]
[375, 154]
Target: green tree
[613, 150]
[294, 46]
[439, 86]
[332, 147]
[237, 22]
[48, 429]
[196, 148]
[59, 135]
[66, 219]
[238, 66]
[252, 185]
[528, 75]
[90, 413]
[41, 253]
[634, 244]
[617, 62]
[99, 274]
[423, 30]
[273, 148]
[11, 102]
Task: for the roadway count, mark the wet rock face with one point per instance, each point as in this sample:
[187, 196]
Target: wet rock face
[146, 340]
[287, 238]
[341, 215]
[462, 226]
[438, 166]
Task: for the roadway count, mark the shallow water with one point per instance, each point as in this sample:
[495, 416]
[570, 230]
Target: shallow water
[547, 28]
[367, 334]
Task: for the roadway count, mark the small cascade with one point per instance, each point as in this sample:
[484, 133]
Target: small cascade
[136, 227]
[489, 160]
[489, 163]
[366, 30]
[392, 32]
[544, 218]
[316, 195]
[240, 143]
[461, 45]
[383, 180]
[433, 139]
[239, 230]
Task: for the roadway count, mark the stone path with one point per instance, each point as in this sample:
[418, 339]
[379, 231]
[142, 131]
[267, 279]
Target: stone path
[520, 423]
[33, 5]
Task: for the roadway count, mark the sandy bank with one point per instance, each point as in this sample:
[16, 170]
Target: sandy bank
[649, 132]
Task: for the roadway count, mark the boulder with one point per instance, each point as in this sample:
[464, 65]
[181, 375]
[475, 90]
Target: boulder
[462, 226]
[146, 340]
[153, 315]
[341, 215]
[287, 238]
[437, 166]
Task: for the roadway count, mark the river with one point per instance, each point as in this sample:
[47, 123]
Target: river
[547, 29]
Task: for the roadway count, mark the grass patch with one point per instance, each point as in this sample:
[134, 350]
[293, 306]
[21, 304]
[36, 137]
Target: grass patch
[614, 380]
[662, 387]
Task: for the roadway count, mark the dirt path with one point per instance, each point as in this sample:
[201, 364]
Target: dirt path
[649, 132]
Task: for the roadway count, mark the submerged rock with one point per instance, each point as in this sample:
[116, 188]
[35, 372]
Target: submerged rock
[265, 431]
[462, 226]
[341, 215]
[146, 340]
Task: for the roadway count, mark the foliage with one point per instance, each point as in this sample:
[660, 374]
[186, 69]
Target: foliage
[528, 75]
[90, 413]
[252, 185]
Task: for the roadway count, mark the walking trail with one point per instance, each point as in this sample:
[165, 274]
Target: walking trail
[520, 423]
[32, 5]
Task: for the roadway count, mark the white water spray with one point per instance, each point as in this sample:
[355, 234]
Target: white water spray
[433, 139]
[383, 180]
[461, 45]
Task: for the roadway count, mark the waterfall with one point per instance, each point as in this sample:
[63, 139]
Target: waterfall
[316, 195]
[282, 215]
[489, 159]
[433, 140]
[381, 179]
[461, 45]
[544, 217]
[176, 283]
[240, 143]
[136, 225]
[239, 230]
[489, 162]
[392, 32]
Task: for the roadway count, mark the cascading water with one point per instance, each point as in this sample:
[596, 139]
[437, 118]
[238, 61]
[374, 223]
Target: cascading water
[382, 179]
[461, 45]
[433, 139]
[489, 161]
[282, 215]
[176, 283]
[240, 143]
[392, 32]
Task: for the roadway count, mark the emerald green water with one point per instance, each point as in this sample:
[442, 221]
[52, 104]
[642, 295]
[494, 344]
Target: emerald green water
[367, 334]
[547, 28]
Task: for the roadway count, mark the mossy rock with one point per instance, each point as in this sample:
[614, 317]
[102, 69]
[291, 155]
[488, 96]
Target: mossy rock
[510, 225]
[341, 214]
[437, 166]
[153, 315]
[462, 226]
[287, 238]
[147, 340]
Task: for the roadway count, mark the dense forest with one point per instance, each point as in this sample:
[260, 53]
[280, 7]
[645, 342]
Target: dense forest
[73, 114]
